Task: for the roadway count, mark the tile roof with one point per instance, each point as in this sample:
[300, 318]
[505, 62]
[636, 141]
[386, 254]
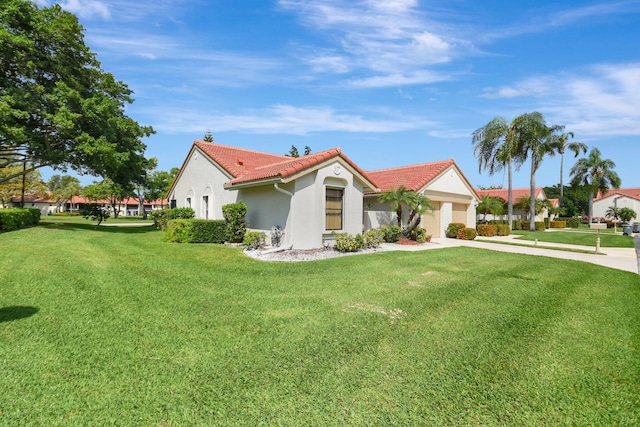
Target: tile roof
[502, 193]
[633, 193]
[413, 177]
[247, 166]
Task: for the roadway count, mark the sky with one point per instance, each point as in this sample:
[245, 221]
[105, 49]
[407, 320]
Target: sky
[391, 83]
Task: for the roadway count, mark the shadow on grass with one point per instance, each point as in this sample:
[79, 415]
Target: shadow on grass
[7, 314]
[124, 229]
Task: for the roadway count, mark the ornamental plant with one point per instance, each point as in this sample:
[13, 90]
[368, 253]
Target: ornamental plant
[234, 216]
[346, 242]
[467, 233]
[453, 228]
[487, 230]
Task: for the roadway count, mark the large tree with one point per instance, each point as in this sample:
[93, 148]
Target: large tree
[496, 147]
[535, 141]
[562, 145]
[58, 107]
[63, 188]
[29, 183]
[596, 174]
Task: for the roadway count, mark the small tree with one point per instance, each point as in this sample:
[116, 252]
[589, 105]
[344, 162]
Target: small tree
[208, 137]
[627, 214]
[234, 216]
[490, 205]
[96, 213]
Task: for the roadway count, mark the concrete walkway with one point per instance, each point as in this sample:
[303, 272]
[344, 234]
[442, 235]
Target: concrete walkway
[626, 259]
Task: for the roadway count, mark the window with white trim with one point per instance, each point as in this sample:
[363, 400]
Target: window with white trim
[334, 208]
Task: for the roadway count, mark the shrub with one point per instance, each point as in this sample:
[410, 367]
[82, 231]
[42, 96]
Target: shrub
[418, 234]
[178, 231]
[234, 215]
[181, 213]
[467, 233]
[208, 231]
[15, 218]
[65, 214]
[547, 223]
[373, 238]
[453, 228]
[391, 233]
[573, 222]
[488, 230]
[499, 221]
[159, 218]
[558, 224]
[254, 240]
[503, 229]
[347, 243]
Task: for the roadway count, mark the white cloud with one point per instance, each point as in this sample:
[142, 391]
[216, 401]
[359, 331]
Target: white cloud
[284, 119]
[82, 8]
[600, 100]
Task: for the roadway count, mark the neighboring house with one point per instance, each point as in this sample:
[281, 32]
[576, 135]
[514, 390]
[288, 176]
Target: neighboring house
[46, 205]
[310, 197]
[517, 194]
[442, 182]
[126, 207]
[620, 198]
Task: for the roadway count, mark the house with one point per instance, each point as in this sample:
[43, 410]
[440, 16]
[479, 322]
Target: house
[517, 194]
[310, 197]
[125, 207]
[620, 198]
[442, 182]
[46, 205]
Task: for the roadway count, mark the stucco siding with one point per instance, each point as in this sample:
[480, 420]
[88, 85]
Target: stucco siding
[600, 207]
[200, 177]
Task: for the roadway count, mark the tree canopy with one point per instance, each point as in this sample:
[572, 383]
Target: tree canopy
[58, 107]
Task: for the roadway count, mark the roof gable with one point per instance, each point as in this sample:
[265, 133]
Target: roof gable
[413, 177]
[633, 193]
[518, 193]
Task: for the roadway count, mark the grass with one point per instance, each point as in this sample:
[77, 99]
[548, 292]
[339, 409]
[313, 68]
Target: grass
[582, 238]
[54, 219]
[527, 245]
[111, 326]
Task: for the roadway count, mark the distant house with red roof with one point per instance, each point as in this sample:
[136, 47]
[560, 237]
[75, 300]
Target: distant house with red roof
[620, 198]
[313, 196]
[48, 205]
[517, 194]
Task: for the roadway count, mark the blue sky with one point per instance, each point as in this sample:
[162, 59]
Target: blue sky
[392, 82]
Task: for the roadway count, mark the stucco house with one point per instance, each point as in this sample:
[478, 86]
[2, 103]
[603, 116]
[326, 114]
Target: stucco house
[517, 194]
[442, 182]
[313, 196]
[620, 198]
[44, 204]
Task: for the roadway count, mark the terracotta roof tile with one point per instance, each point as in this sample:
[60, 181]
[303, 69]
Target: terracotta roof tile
[633, 193]
[503, 193]
[413, 177]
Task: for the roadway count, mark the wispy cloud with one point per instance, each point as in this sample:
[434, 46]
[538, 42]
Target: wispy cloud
[287, 120]
[600, 100]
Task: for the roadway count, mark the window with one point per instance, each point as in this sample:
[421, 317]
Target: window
[205, 207]
[173, 203]
[187, 203]
[333, 208]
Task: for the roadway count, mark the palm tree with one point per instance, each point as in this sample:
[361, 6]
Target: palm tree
[419, 205]
[562, 145]
[495, 147]
[627, 214]
[535, 140]
[396, 197]
[489, 205]
[596, 174]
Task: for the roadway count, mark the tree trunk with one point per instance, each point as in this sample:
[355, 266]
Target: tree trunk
[561, 180]
[532, 201]
[590, 208]
[510, 194]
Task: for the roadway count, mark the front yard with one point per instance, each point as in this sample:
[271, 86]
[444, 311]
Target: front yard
[584, 237]
[112, 326]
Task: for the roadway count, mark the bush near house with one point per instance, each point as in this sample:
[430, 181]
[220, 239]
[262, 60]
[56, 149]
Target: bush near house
[467, 233]
[254, 240]
[391, 233]
[234, 215]
[12, 219]
[453, 228]
[418, 234]
[160, 217]
[503, 229]
[346, 242]
[558, 224]
[487, 230]
[195, 231]
[373, 238]
[547, 223]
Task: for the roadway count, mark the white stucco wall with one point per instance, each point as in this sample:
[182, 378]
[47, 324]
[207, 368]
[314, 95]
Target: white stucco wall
[600, 207]
[200, 177]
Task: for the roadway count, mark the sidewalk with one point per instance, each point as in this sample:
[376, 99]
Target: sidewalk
[625, 259]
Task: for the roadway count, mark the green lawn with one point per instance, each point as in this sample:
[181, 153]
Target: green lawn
[584, 238]
[54, 219]
[114, 327]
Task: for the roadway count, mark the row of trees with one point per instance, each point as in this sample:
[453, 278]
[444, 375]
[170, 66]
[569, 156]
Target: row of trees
[500, 144]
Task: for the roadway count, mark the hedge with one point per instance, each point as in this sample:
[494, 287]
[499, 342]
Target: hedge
[558, 224]
[467, 233]
[487, 230]
[195, 231]
[453, 228]
[15, 218]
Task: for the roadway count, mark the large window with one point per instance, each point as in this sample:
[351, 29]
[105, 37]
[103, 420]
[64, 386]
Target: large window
[334, 208]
